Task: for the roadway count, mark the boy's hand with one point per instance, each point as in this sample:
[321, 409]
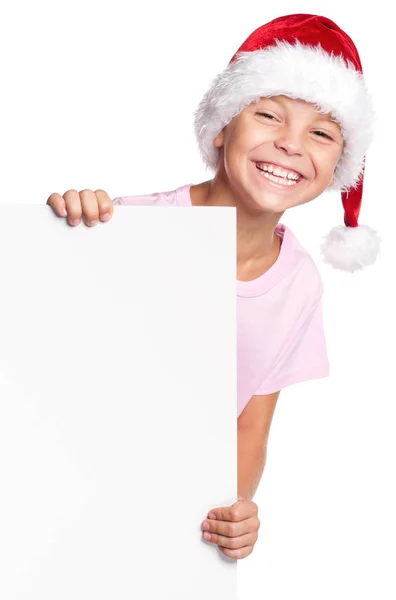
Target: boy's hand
[234, 528]
[88, 204]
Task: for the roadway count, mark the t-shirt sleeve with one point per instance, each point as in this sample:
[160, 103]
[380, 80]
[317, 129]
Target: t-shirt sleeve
[305, 357]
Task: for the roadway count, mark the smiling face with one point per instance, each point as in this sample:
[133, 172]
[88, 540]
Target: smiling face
[284, 132]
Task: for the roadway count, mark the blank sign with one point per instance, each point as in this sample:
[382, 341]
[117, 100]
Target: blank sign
[118, 409]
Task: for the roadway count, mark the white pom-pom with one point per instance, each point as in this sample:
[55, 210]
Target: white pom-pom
[351, 248]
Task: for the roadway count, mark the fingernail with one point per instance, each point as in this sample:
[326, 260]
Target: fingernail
[211, 515]
[92, 223]
[105, 217]
[206, 526]
[207, 536]
[63, 212]
[76, 221]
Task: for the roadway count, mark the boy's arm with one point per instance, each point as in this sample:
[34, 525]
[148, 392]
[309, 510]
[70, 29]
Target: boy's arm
[235, 528]
[253, 431]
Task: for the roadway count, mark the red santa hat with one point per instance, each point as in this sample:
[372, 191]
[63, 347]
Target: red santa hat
[310, 58]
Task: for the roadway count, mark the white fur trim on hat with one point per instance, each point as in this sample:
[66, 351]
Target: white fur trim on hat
[298, 71]
[350, 248]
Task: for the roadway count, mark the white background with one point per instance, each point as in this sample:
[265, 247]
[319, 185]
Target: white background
[102, 95]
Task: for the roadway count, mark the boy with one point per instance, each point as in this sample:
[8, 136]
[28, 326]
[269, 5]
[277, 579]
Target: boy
[287, 119]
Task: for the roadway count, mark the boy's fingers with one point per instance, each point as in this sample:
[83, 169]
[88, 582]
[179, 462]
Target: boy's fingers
[234, 529]
[90, 205]
[90, 208]
[249, 539]
[237, 512]
[105, 204]
[57, 203]
[73, 205]
[237, 554]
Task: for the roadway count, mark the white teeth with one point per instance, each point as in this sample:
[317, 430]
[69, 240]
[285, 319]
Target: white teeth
[280, 180]
[279, 172]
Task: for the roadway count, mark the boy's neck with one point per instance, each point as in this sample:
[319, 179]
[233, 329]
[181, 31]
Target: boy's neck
[258, 245]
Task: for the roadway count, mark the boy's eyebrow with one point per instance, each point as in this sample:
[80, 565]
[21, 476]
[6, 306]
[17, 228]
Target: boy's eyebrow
[325, 117]
[265, 98]
[320, 116]
[329, 120]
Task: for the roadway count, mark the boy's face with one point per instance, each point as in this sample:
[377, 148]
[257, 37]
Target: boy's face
[291, 133]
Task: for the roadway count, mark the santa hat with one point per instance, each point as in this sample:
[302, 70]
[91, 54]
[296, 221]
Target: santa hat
[307, 57]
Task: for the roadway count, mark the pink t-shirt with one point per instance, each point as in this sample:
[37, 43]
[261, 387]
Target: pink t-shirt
[280, 332]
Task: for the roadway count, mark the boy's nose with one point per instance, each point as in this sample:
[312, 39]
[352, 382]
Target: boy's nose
[289, 142]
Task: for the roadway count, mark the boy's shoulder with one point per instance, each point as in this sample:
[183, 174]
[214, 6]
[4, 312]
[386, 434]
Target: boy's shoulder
[177, 197]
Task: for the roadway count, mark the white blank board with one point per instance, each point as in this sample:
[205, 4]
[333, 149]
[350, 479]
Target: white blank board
[118, 409]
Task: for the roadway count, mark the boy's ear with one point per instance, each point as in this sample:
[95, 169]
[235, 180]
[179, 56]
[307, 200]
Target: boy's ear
[219, 139]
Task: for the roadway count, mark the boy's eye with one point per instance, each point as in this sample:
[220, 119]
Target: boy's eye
[265, 115]
[323, 134]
